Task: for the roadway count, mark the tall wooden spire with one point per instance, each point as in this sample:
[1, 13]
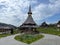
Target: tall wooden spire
[29, 13]
[29, 19]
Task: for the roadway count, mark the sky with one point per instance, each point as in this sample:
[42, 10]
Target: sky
[15, 11]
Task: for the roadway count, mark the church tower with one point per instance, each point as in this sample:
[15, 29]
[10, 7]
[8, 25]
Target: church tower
[29, 26]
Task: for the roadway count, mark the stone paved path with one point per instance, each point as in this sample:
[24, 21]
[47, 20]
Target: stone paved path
[47, 40]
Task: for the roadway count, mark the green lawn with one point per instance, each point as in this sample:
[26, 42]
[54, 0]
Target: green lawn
[4, 35]
[28, 38]
[49, 30]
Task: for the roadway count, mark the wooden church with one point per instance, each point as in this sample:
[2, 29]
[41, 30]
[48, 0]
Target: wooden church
[29, 26]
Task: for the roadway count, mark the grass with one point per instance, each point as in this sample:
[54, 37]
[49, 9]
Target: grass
[28, 38]
[4, 35]
[49, 30]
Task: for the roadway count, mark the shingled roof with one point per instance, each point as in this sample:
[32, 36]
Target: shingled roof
[29, 20]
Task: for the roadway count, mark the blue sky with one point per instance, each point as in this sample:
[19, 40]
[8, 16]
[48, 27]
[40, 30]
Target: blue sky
[15, 11]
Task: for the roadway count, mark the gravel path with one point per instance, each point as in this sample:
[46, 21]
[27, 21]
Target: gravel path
[10, 41]
[47, 40]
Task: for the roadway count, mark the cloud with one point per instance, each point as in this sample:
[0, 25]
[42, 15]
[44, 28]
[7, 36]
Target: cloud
[15, 11]
[43, 11]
